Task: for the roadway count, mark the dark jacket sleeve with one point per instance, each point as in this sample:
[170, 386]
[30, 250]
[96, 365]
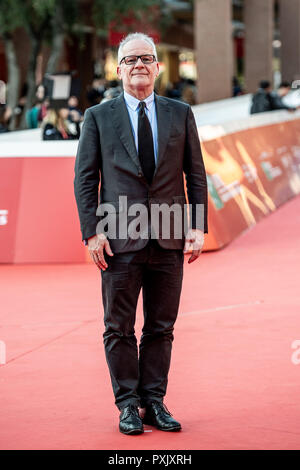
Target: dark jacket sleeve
[195, 174]
[87, 175]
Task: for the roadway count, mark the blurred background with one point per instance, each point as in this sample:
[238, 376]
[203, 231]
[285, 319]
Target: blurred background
[208, 50]
[237, 63]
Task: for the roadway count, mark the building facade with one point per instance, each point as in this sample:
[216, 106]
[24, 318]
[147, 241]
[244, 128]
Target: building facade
[209, 41]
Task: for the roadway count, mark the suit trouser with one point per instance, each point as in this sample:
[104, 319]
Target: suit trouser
[140, 377]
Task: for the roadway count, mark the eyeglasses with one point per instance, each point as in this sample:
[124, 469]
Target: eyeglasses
[132, 59]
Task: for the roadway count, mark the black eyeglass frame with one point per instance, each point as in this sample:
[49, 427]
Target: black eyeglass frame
[139, 57]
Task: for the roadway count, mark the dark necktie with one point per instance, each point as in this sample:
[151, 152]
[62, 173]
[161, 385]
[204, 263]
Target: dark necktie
[145, 143]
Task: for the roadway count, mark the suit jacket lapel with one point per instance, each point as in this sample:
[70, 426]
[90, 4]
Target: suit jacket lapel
[164, 122]
[122, 124]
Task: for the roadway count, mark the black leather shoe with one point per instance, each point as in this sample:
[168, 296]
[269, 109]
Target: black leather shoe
[158, 415]
[130, 421]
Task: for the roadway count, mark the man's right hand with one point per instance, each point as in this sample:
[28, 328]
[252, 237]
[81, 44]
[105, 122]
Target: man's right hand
[96, 246]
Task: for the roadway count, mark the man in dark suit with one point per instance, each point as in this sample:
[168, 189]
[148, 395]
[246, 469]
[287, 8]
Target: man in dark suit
[137, 147]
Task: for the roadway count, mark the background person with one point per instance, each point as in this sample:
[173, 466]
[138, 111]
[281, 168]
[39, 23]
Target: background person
[261, 100]
[278, 95]
[56, 126]
[75, 114]
[95, 91]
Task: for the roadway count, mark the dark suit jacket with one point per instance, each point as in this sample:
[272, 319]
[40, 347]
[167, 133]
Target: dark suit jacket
[107, 156]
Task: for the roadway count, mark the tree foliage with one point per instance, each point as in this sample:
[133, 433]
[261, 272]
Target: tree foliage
[10, 16]
[51, 21]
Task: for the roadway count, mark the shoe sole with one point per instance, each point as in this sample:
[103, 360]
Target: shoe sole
[133, 432]
[174, 429]
[169, 429]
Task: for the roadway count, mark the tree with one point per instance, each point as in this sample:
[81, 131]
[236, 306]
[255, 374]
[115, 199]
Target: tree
[51, 21]
[10, 19]
[65, 16]
[45, 21]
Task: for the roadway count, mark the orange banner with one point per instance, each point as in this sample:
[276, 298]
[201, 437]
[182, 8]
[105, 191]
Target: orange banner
[249, 173]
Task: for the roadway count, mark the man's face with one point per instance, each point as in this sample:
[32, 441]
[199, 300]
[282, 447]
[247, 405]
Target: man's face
[138, 76]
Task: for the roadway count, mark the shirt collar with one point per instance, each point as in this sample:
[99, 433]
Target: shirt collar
[133, 102]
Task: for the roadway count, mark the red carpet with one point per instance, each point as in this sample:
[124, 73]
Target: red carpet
[232, 382]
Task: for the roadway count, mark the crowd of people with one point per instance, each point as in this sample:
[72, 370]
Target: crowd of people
[58, 121]
[266, 99]
[63, 123]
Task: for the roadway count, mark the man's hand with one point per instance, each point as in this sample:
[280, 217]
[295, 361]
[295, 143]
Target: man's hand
[96, 246]
[194, 241]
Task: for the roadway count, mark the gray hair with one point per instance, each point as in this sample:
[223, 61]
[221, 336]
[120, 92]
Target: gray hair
[133, 36]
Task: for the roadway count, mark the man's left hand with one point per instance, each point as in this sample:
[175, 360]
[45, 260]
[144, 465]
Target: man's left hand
[194, 241]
